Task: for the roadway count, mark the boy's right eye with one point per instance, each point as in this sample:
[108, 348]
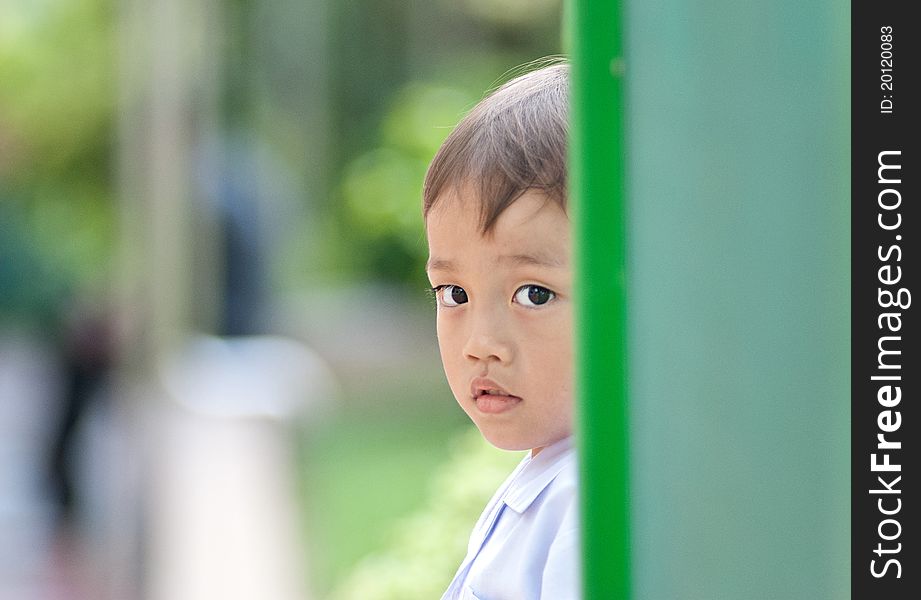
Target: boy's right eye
[450, 295]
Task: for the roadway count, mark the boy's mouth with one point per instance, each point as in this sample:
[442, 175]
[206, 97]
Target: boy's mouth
[491, 397]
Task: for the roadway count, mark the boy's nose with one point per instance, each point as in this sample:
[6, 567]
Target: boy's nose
[488, 340]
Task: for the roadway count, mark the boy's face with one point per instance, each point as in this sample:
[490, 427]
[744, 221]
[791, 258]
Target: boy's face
[505, 317]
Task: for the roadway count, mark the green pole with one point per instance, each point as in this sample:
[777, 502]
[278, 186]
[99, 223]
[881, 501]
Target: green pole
[598, 206]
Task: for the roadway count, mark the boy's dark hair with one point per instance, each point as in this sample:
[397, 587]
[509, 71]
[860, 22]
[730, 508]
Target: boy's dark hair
[514, 140]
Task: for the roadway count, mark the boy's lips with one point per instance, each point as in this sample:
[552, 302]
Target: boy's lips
[490, 397]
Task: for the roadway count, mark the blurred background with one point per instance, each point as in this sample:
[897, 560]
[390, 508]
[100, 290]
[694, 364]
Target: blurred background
[218, 369]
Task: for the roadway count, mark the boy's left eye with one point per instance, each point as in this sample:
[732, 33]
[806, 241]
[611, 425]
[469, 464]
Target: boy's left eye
[533, 295]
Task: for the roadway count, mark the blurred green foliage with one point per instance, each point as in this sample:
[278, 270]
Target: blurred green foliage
[57, 99]
[426, 547]
[370, 462]
[381, 189]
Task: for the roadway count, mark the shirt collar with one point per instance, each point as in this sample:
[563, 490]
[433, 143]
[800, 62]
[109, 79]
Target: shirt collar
[537, 473]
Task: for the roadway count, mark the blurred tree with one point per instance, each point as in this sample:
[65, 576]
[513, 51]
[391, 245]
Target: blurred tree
[381, 188]
[56, 117]
[450, 53]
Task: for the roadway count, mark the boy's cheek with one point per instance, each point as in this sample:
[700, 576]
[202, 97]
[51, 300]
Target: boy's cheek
[447, 336]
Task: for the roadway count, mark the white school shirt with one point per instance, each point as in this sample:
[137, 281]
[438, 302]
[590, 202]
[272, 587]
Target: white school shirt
[525, 545]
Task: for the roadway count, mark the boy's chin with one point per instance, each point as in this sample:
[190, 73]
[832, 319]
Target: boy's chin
[505, 442]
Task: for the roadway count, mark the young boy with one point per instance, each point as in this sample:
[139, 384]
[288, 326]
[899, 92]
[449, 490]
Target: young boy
[499, 263]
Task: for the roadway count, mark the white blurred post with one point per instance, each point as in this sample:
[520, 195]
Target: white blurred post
[214, 504]
[168, 52]
[227, 524]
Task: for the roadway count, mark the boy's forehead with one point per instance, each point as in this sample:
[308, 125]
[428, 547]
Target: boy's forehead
[531, 231]
[453, 208]
[461, 207]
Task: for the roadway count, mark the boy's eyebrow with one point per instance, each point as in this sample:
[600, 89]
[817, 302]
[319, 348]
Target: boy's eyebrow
[438, 264]
[539, 260]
